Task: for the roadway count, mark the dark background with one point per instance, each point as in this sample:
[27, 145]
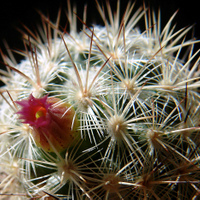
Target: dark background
[15, 13]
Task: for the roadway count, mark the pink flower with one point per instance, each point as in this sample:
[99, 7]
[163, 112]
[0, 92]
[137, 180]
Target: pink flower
[54, 127]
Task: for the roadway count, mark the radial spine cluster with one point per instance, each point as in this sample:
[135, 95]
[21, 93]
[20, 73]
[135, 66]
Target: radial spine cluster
[110, 111]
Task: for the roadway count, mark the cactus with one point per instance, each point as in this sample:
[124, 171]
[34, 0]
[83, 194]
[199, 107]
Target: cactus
[108, 112]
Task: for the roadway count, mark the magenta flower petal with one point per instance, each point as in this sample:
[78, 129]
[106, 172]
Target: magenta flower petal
[31, 108]
[53, 127]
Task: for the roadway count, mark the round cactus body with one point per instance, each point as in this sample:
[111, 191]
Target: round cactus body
[108, 112]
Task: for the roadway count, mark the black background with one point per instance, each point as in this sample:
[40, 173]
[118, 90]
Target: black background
[15, 13]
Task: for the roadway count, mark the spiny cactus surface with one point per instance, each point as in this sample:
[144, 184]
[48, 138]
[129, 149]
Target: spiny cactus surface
[105, 112]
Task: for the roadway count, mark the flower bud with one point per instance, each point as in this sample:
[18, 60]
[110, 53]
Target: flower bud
[55, 126]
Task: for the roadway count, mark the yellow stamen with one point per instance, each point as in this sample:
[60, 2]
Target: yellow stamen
[40, 113]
